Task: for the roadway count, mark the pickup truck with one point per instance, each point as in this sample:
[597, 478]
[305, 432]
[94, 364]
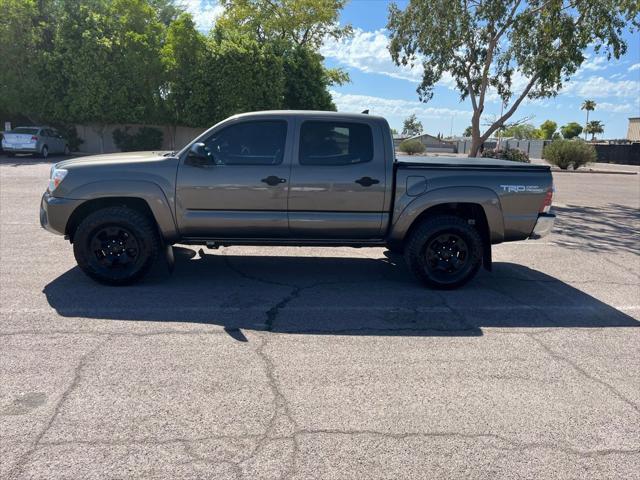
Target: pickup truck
[294, 178]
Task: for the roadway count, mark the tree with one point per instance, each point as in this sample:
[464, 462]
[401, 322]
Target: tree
[182, 56]
[571, 130]
[547, 129]
[394, 131]
[306, 81]
[110, 51]
[467, 131]
[486, 44]
[26, 32]
[589, 106]
[412, 126]
[524, 131]
[303, 22]
[593, 128]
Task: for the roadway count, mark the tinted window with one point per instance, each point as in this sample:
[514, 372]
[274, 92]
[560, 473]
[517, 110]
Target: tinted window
[25, 130]
[249, 143]
[335, 143]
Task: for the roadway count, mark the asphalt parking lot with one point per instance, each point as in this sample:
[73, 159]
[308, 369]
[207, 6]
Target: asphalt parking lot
[308, 363]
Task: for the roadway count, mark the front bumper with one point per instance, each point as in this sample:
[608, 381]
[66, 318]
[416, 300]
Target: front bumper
[543, 226]
[55, 212]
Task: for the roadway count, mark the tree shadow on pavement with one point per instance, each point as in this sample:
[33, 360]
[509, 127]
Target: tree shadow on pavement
[332, 295]
[610, 227]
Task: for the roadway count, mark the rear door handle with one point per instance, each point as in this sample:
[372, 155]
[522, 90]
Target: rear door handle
[367, 181]
[273, 180]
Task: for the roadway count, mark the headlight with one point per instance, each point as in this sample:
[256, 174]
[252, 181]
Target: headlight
[56, 177]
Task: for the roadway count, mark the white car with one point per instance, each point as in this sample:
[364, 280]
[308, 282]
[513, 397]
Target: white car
[40, 141]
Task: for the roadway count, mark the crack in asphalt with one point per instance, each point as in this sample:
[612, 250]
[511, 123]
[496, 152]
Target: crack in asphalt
[265, 438]
[77, 374]
[586, 374]
[281, 412]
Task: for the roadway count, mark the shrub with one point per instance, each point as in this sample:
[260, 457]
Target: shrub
[411, 146]
[569, 153]
[146, 138]
[70, 134]
[512, 154]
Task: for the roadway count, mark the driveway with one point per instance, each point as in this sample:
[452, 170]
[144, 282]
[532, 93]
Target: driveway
[334, 363]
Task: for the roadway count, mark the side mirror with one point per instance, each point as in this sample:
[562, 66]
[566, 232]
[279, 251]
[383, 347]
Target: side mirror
[198, 155]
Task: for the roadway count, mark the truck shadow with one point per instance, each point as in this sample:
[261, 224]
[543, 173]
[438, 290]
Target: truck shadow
[338, 295]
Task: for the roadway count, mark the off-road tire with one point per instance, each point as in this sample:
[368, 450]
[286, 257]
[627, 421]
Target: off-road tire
[139, 225]
[427, 232]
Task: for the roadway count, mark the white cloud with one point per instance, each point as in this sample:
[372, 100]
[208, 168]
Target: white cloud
[369, 53]
[393, 107]
[619, 107]
[635, 66]
[204, 12]
[593, 64]
[600, 87]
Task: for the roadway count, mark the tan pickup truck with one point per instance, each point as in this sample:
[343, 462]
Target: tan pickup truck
[295, 178]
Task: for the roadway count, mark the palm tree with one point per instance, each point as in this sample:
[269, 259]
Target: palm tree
[587, 105]
[594, 127]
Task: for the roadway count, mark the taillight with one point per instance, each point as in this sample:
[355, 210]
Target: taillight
[34, 139]
[548, 199]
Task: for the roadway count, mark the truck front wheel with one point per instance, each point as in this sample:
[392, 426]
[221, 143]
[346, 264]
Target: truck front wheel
[444, 251]
[116, 245]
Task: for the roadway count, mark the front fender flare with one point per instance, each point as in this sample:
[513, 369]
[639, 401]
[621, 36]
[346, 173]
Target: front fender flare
[485, 197]
[150, 192]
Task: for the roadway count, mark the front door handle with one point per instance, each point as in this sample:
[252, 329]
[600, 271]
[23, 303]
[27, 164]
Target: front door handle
[367, 181]
[273, 180]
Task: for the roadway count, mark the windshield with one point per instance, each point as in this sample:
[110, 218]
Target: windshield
[27, 130]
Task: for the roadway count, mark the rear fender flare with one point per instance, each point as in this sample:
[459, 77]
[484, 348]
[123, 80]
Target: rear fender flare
[485, 197]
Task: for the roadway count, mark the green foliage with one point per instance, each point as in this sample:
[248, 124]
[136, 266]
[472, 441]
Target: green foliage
[300, 22]
[145, 138]
[484, 44]
[522, 132]
[467, 131]
[306, 81]
[182, 57]
[412, 126]
[593, 128]
[512, 154]
[411, 147]
[571, 130]
[100, 62]
[569, 153]
[70, 134]
[548, 129]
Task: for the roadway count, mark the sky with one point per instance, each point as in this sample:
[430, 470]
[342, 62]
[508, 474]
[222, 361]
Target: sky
[388, 90]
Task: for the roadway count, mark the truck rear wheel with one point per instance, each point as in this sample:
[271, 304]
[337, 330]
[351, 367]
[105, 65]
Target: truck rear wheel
[116, 245]
[444, 251]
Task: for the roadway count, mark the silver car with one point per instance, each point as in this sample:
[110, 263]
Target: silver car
[40, 141]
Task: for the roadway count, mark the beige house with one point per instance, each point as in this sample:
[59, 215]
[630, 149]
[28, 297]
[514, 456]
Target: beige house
[633, 133]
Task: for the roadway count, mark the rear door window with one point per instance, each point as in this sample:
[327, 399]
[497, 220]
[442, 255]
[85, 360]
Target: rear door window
[335, 143]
